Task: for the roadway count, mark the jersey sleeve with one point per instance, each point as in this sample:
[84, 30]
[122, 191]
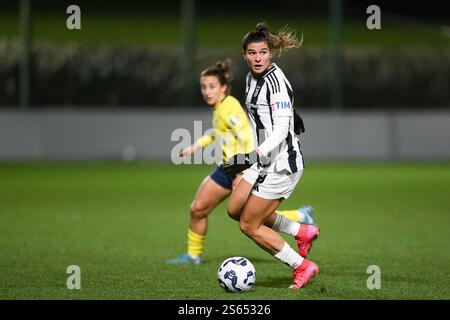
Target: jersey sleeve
[279, 133]
[205, 140]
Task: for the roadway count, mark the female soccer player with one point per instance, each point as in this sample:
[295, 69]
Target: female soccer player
[275, 167]
[230, 120]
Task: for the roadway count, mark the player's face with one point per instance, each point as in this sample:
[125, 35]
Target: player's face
[258, 56]
[213, 93]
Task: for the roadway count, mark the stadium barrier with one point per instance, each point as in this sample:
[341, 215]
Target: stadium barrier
[147, 135]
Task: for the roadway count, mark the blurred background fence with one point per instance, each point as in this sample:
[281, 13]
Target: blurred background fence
[105, 76]
[134, 66]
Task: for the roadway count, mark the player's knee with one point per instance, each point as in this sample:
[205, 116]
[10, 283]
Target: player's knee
[199, 210]
[233, 213]
[248, 229]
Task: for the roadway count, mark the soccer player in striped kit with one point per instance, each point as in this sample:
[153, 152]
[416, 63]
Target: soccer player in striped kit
[228, 117]
[274, 168]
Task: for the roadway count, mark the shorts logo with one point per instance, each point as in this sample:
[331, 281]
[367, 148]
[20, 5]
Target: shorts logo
[281, 105]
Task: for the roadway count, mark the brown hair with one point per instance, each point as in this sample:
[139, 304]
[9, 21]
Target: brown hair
[284, 39]
[221, 70]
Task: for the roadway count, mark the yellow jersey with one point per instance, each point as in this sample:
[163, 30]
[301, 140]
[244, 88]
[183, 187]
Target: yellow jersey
[231, 124]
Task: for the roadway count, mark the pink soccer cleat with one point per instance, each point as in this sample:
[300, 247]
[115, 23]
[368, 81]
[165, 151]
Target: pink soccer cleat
[306, 235]
[304, 273]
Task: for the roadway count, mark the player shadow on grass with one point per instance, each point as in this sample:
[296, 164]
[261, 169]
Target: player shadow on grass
[274, 282]
[285, 281]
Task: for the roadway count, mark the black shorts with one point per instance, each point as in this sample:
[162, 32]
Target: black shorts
[222, 178]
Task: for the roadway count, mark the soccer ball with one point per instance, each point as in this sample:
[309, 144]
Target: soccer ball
[236, 274]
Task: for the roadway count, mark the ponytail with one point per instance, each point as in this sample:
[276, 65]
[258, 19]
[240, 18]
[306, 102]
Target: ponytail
[283, 40]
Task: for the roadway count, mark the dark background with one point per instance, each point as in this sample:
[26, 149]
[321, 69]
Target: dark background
[130, 53]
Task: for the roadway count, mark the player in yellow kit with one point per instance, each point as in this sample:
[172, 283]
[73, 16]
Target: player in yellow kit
[231, 124]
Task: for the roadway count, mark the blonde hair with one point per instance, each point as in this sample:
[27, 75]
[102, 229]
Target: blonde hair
[283, 40]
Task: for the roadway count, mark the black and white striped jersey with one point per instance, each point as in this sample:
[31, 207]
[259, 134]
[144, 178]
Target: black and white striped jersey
[266, 98]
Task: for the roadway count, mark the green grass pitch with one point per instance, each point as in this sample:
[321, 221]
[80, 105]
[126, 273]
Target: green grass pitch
[119, 222]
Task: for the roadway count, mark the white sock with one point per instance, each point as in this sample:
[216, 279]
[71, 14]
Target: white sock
[289, 256]
[285, 225]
